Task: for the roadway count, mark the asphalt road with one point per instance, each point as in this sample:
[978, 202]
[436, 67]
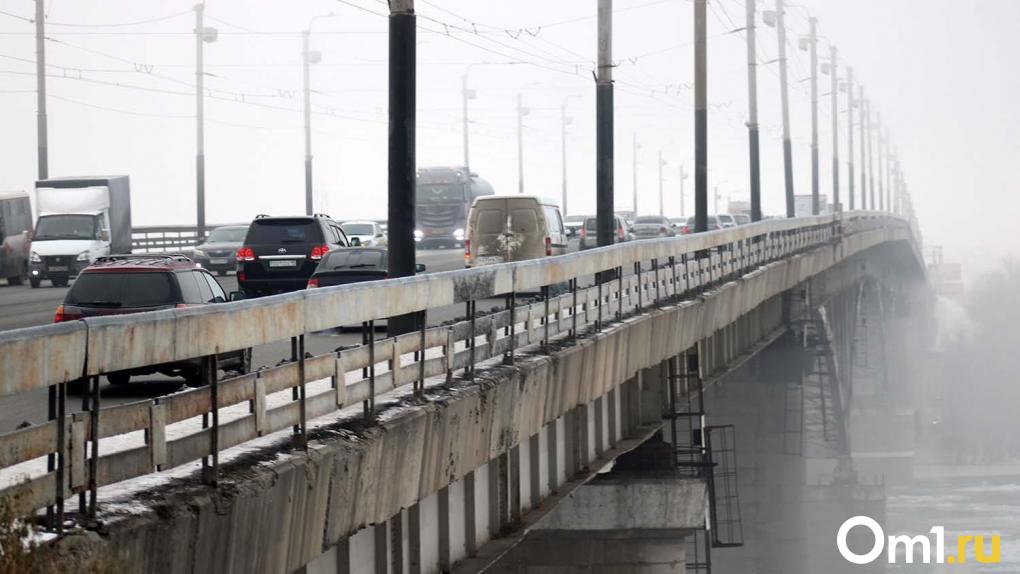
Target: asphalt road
[25, 307]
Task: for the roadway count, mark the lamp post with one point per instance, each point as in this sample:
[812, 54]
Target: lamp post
[308, 58]
[203, 35]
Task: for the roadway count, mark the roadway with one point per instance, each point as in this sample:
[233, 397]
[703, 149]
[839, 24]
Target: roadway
[22, 306]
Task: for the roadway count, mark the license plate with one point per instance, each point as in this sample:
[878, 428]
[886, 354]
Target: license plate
[218, 261]
[283, 263]
[57, 268]
[489, 260]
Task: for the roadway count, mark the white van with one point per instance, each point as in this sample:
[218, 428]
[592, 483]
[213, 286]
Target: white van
[502, 228]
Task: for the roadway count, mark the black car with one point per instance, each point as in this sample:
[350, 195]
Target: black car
[280, 254]
[217, 252]
[122, 284]
[352, 265]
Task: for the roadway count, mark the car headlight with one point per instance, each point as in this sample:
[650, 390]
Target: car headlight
[83, 256]
[34, 257]
[198, 253]
[458, 234]
[418, 234]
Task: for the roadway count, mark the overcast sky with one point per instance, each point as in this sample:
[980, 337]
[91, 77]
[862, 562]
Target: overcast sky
[942, 74]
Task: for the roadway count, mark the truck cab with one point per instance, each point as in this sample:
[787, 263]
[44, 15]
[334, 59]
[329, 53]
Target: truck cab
[80, 220]
[15, 231]
[443, 197]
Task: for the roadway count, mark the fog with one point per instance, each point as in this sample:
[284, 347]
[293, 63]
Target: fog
[121, 101]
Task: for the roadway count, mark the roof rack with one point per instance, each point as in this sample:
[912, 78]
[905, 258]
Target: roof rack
[144, 257]
[322, 215]
[261, 216]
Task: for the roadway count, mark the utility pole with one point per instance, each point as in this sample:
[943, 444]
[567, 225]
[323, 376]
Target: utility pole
[40, 84]
[306, 57]
[662, 208]
[683, 176]
[850, 133]
[401, 166]
[701, 116]
[834, 70]
[564, 122]
[785, 91]
[815, 192]
[752, 99]
[200, 119]
[521, 112]
[634, 149]
[715, 199]
[604, 125]
[871, 163]
[881, 163]
[864, 150]
[466, 95]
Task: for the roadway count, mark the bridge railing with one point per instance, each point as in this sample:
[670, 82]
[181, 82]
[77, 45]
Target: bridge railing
[579, 293]
[165, 238]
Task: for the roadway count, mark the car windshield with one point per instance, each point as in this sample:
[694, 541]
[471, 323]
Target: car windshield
[648, 220]
[65, 227]
[284, 231]
[355, 259]
[591, 224]
[711, 221]
[227, 235]
[128, 289]
[430, 193]
[358, 228]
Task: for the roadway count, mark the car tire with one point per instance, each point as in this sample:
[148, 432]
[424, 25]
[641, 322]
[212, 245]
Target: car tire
[59, 282]
[118, 378]
[15, 280]
[221, 273]
[35, 283]
[193, 378]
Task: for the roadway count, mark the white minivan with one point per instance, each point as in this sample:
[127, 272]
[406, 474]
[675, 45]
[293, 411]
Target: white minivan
[502, 228]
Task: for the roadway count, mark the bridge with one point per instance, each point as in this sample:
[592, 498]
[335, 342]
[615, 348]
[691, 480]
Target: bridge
[572, 411]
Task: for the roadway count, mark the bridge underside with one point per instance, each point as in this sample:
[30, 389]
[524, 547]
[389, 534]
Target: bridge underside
[456, 479]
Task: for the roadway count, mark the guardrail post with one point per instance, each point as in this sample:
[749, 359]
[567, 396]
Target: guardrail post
[420, 355]
[368, 328]
[687, 273]
[573, 310]
[676, 286]
[302, 407]
[470, 371]
[545, 318]
[511, 329]
[94, 459]
[658, 285]
[619, 293]
[211, 463]
[51, 458]
[61, 453]
[598, 316]
[449, 355]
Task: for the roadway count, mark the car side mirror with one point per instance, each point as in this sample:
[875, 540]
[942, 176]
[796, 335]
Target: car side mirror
[378, 234]
[104, 235]
[419, 267]
[569, 233]
[355, 242]
[236, 296]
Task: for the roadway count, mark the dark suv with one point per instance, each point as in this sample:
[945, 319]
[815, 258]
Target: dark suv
[280, 253]
[121, 284]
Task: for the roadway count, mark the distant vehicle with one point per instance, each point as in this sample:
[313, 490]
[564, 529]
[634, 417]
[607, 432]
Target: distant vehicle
[678, 222]
[742, 219]
[281, 253]
[647, 226]
[443, 197]
[803, 205]
[217, 252]
[573, 224]
[726, 220]
[369, 233]
[505, 228]
[15, 236]
[713, 225]
[590, 236]
[352, 265]
[80, 220]
[738, 206]
[123, 284]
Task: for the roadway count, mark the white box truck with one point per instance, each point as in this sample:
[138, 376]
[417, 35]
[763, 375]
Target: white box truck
[80, 220]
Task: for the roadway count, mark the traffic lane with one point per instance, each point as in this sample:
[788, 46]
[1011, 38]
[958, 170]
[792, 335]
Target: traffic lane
[22, 306]
[32, 407]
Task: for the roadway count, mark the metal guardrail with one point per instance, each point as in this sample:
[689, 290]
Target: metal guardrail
[160, 238]
[57, 355]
